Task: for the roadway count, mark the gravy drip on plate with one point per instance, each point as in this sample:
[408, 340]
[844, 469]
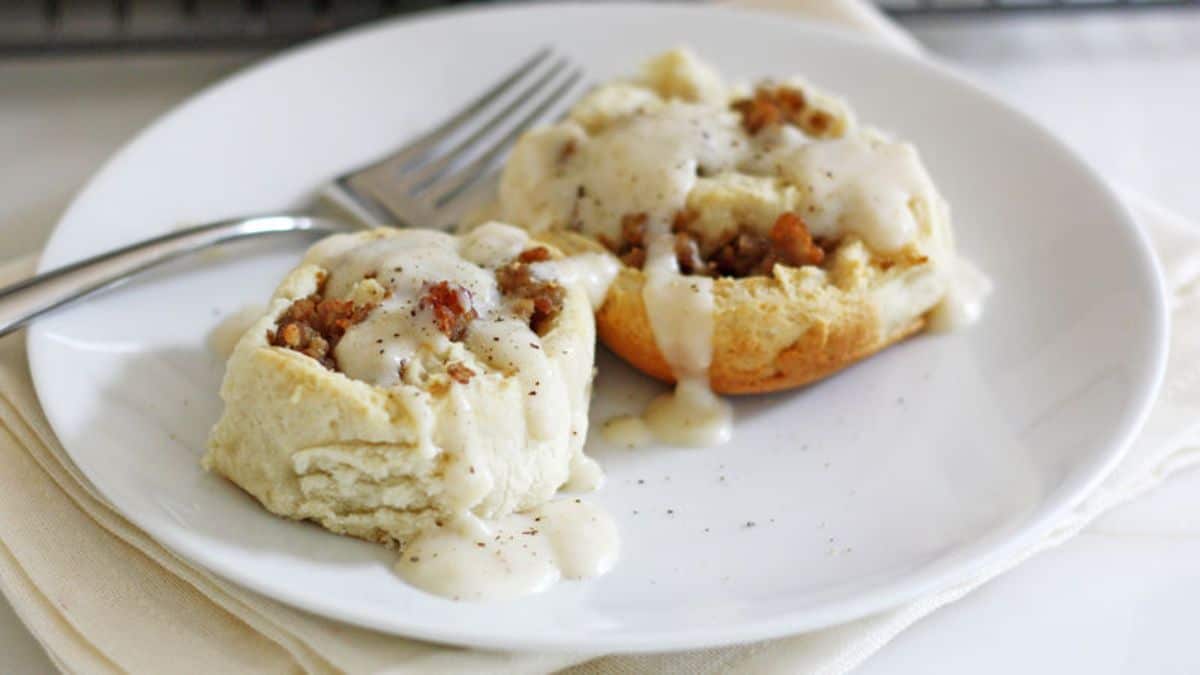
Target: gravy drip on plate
[630, 431]
[470, 559]
[963, 302]
[681, 315]
[626, 175]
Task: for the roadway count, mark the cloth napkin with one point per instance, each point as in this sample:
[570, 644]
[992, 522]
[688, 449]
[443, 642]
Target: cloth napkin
[102, 597]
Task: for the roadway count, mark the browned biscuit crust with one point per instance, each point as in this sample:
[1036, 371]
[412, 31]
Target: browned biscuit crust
[769, 334]
[748, 357]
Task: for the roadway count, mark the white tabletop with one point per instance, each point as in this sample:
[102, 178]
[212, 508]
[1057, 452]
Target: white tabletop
[1123, 89]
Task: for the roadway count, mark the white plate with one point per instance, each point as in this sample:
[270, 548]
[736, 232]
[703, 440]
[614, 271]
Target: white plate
[899, 476]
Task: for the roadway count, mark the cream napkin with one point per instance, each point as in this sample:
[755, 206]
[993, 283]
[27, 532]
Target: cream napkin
[102, 597]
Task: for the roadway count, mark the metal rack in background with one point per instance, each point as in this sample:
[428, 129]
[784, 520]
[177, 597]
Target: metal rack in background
[902, 9]
[33, 27]
[70, 26]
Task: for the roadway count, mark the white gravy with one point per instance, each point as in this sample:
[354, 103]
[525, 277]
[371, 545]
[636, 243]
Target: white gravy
[595, 271]
[586, 475]
[963, 303]
[861, 184]
[520, 554]
[690, 415]
[399, 340]
[681, 316]
[628, 430]
[680, 309]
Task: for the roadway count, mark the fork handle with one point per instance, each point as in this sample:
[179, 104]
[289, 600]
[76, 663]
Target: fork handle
[28, 299]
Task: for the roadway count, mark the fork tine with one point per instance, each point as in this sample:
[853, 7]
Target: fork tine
[449, 186]
[418, 179]
[476, 201]
[420, 147]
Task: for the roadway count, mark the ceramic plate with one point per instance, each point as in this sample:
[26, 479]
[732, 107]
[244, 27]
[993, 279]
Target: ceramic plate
[899, 476]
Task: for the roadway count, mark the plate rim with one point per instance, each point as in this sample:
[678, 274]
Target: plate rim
[936, 576]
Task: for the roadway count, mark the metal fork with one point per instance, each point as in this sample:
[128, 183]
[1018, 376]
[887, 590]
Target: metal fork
[424, 184]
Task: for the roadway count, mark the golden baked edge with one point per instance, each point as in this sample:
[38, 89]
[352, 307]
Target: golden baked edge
[749, 356]
[769, 333]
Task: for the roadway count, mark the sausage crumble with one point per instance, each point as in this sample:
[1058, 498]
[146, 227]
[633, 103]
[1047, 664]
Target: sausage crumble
[739, 253]
[459, 372]
[536, 254]
[780, 105]
[535, 300]
[567, 151]
[631, 249]
[793, 243]
[313, 325]
[452, 308]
